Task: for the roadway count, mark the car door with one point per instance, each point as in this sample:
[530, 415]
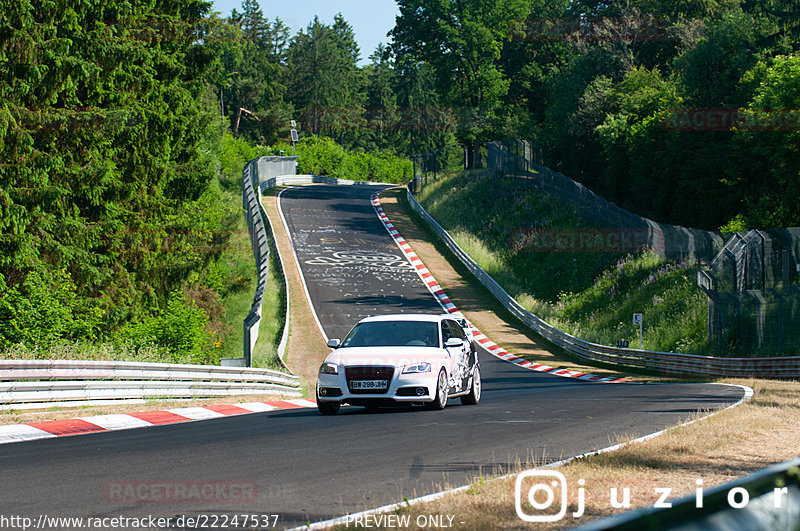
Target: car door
[459, 356]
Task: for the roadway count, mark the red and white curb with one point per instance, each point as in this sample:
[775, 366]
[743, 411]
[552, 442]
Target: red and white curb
[445, 302]
[61, 428]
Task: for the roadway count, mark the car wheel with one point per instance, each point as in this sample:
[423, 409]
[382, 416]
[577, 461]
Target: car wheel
[327, 408]
[442, 390]
[474, 395]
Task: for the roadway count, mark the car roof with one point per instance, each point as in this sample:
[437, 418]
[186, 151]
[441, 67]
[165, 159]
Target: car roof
[406, 317]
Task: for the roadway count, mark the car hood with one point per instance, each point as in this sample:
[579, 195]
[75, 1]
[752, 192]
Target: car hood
[395, 356]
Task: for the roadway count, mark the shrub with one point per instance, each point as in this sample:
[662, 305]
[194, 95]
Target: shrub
[44, 309]
[323, 156]
[180, 327]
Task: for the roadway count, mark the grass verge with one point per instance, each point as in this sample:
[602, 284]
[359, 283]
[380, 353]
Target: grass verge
[515, 232]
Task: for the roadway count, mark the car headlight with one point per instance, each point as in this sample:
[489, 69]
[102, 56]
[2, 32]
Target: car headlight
[328, 368]
[417, 368]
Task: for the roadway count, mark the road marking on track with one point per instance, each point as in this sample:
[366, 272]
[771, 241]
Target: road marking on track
[444, 301]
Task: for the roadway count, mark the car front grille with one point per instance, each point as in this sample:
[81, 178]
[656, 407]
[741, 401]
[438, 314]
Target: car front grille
[369, 372]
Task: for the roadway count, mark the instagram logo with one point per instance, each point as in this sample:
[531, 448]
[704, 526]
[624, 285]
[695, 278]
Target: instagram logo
[543, 486]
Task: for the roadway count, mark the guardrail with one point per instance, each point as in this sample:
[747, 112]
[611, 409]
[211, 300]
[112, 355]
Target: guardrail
[291, 180]
[768, 499]
[665, 363]
[262, 238]
[25, 383]
[256, 224]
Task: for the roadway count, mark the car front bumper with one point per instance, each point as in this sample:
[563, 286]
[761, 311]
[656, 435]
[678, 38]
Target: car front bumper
[415, 387]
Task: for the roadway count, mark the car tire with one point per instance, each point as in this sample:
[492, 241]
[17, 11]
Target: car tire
[442, 391]
[474, 395]
[327, 408]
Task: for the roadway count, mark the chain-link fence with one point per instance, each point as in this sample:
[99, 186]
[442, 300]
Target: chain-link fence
[752, 281]
[432, 164]
[753, 289]
[518, 159]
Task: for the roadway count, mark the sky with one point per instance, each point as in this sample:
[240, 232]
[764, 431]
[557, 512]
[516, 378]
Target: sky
[371, 19]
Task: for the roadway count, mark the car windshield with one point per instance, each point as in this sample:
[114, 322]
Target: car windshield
[393, 334]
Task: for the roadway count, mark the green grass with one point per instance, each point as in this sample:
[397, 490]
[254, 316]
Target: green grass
[235, 277]
[123, 351]
[273, 314]
[591, 295]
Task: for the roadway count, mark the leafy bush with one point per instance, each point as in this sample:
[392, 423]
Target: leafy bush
[323, 156]
[180, 327]
[45, 310]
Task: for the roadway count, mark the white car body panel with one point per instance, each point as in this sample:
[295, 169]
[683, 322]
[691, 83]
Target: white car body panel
[373, 363]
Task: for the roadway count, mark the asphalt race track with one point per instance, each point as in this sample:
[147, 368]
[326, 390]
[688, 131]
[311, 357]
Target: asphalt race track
[352, 268]
[305, 467]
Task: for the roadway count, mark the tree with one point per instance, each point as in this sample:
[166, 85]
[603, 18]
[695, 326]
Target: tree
[102, 174]
[278, 41]
[765, 167]
[254, 27]
[381, 116]
[326, 81]
[249, 78]
[463, 42]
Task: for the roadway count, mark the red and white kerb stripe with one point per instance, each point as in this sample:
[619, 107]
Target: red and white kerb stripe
[437, 291]
[60, 428]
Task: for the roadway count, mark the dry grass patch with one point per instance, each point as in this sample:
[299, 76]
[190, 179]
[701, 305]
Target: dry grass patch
[306, 347]
[716, 450]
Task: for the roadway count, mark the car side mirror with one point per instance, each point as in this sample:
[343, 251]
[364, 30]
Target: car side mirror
[334, 343]
[453, 342]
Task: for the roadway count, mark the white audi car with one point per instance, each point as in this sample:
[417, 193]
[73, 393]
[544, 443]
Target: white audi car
[405, 358]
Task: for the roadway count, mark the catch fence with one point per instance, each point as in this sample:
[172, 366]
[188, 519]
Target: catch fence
[752, 280]
[753, 289]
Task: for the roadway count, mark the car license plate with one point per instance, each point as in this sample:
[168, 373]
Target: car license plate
[368, 384]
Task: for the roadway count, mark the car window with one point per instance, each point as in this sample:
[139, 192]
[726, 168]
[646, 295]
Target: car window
[446, 332]
[393, 334]
[457, 330]
[451, 329]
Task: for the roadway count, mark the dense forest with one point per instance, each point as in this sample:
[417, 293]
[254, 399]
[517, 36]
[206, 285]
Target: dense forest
[117, 120]
[687, 112]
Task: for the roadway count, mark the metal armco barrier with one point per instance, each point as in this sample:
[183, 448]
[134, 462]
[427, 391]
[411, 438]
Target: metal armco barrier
[768, 500]
[259, 175]
[256, 224]
[35, 381]
[665, 363]
[291, 180]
